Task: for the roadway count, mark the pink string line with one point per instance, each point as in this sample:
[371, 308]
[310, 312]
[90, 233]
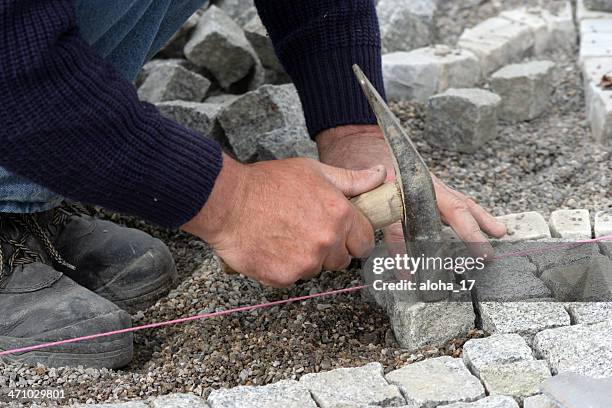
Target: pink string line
[245, 308]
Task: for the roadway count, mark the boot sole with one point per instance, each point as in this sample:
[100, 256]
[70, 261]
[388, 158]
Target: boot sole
[105, 352]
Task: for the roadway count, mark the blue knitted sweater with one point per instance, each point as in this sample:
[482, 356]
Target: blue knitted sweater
[70, 122]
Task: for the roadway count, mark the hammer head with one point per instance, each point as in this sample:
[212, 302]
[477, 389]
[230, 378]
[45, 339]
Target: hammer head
[421, 218]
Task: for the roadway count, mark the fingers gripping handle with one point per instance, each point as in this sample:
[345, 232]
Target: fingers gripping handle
[382, 206]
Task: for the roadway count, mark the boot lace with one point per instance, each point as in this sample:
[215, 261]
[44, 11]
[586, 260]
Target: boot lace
[22, 254]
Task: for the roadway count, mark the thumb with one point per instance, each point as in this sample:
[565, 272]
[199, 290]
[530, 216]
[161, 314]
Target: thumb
[355, 182]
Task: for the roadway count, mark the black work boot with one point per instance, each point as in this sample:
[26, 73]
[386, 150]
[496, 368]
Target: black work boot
[126, 266]
[39, 304]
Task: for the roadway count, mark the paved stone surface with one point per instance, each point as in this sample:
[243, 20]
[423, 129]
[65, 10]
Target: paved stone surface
[285, 143]
[498, 42]
[582, 349]
[589, 279]
[178, 401]
[589, 312]
[360, 385]
[436, 381]
[283, 394]
[421, 324]
[508, 279]
[583, 13]
[554, 252]
[173, 82]
[525, 226]
[539, 401]
[599, 5]
[255, 113]
[201, 117]
[421, 73]
[519, 379]
[493, 350]
[462, 119]
[603, 224]
[524, 318]
[525, 89]
[406, 25]
[488, 402]
[219, 45]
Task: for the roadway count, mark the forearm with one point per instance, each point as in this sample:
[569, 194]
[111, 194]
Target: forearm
[317, 43]
[71, 123]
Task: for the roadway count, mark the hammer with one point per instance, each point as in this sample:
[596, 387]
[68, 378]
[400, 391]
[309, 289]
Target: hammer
[411, 199]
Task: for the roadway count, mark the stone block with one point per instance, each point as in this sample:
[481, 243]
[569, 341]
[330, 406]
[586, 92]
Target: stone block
[488, 402]
[258, 112]
[525, 226]
[235, 8]
[565, 281]
[173, 82]
[574, 390]
[518, 379]
[201, 117]
[589, 312]
[257, 35]
[494, 350]
[524, 318]
[539, 401]
[285, 143]
[582, 349]
[508, 279]
[436, 381]
[598, 100]
[593, 45]
[571, 224]
[561, 26]
[406, 25]
[554, 252]
[583, 13]
[525, 89]
[603, 224]
[533, 18]
[155, 64]
[219, 45]
[178, 401]
[221, 99]
[598, 5]
[462, 119]
[498, 42]
[283, 394]
[596, 285]
[421, 73]
[360, 385]
[420, 324]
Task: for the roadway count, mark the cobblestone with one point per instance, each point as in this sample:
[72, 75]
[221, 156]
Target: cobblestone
[519, 379]
[496, 349]
[283, 394]
[437, 381]
[462, 119]
[603, 223]
[524, 318]
[406, 25]
[539, 401]
[582, 349]
[360, 385]
[525, 226]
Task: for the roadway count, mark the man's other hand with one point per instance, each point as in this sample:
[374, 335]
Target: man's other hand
[363, 146]
[281, 221]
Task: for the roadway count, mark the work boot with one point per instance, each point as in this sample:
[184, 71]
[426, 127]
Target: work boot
[124, 265]
[39, 304]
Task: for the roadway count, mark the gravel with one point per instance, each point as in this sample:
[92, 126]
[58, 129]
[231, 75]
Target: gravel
[542, 165]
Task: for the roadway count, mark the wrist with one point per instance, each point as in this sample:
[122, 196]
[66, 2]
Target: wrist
[223, 201]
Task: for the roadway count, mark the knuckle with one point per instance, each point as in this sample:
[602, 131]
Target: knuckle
[457, 205]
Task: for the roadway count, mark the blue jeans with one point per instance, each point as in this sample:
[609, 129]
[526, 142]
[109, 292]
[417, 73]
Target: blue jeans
[126, 33]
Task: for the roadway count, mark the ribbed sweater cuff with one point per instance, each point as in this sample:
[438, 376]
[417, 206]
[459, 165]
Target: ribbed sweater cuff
[329, 91]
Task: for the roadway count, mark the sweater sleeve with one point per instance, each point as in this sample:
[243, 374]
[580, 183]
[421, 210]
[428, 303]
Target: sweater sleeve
[318, 41]
[70, 122]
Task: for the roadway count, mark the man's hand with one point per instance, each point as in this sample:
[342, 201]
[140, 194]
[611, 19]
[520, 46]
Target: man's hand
[281, 221]
[363, 146]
